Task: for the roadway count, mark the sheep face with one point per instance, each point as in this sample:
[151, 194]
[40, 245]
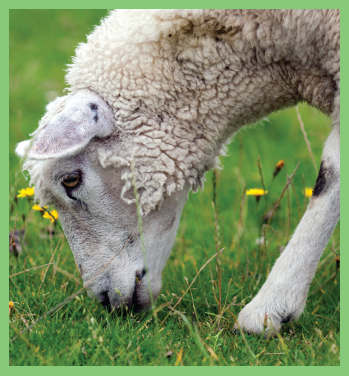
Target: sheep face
[98, 223]
[101, 227]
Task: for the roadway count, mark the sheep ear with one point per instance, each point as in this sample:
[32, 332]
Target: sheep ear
[85, 116]
[22, 148]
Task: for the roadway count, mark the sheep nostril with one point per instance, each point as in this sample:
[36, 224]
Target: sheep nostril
[140, 274]
[104, 299]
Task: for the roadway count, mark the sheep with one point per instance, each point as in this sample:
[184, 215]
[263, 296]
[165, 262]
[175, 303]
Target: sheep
[154, 96]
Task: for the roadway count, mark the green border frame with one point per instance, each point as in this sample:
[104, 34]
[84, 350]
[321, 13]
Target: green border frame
[63, 4]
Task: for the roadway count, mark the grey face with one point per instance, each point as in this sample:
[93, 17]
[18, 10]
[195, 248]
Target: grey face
[99, 225]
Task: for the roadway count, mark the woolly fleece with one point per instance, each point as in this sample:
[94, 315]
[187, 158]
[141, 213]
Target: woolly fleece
[182, 82]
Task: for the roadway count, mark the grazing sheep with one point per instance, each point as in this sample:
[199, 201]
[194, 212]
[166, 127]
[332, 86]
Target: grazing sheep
[165, 90]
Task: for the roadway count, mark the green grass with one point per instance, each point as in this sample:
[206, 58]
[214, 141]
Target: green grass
[82, 332]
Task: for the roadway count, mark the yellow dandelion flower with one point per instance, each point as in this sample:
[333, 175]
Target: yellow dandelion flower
[256, 192]
[26, 192]
[39, 208]
[52, 215]
[278, 167]
[11, 304]
[308, 192]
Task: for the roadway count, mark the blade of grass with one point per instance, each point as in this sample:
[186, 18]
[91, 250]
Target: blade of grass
[301, 124]
[28, 270]
[200, 270]
[43, 278]
[140, 227]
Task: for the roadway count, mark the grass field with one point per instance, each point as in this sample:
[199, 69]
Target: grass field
[200, 329]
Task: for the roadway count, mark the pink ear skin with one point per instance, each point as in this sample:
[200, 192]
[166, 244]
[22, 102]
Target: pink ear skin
[85, 116]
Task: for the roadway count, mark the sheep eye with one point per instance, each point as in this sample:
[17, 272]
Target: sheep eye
[71, 180]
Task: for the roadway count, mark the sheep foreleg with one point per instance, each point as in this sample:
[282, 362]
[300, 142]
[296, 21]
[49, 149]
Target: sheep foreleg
[283, 296]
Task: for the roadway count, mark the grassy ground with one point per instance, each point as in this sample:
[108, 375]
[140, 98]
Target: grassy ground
[200, 331]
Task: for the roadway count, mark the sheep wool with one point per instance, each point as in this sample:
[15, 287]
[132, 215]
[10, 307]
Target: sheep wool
[182, 83]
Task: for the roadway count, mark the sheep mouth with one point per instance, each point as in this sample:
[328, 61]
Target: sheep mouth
[136, 303]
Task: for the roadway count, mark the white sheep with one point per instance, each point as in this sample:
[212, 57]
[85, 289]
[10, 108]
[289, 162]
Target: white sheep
[165, 90]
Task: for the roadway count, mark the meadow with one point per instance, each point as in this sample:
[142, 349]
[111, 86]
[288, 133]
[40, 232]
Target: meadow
[201, 296]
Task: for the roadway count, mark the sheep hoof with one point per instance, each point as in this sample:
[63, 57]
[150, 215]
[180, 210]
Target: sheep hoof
[254, 319]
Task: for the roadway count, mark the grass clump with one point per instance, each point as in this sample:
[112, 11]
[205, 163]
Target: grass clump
[203, 292]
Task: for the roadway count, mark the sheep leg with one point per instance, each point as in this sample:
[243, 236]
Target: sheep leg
[283, 296]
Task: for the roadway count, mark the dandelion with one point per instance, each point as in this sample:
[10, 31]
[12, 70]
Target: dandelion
[11, 304]
[278, 167]
[52, 215]
[26, 192]
[308, 192]
[39, 208]
[256, 192]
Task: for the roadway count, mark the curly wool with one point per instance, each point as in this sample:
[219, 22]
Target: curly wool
[182, 82]
[132, 68]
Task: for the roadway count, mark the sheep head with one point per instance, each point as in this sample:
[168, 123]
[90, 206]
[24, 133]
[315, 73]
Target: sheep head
[78, 161]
